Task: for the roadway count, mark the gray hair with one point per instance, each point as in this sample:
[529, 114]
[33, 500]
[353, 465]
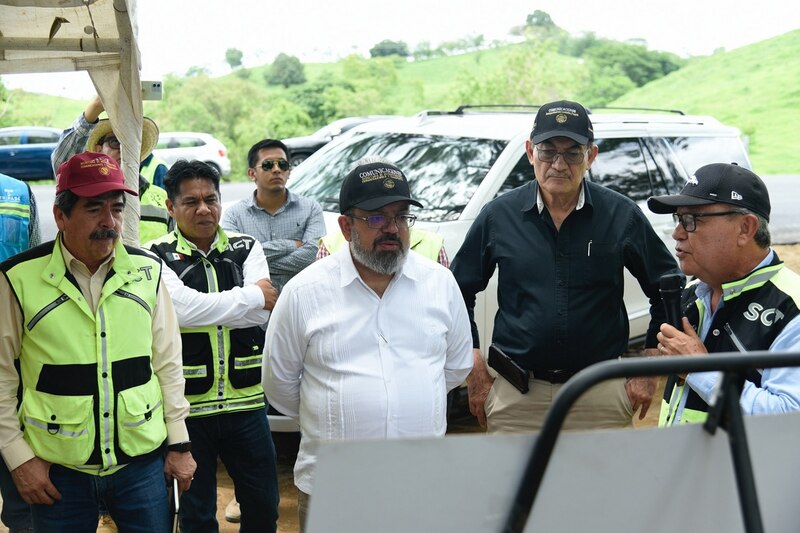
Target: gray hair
[762, 236]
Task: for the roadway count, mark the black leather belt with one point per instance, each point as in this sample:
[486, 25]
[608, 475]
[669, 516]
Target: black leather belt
[553, 376]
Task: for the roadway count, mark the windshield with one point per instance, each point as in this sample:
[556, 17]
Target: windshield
[443, 172]
[694, 152]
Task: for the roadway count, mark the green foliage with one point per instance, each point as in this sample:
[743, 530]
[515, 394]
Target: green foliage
[195, 71]
[316, 97]
[242, 73]
[286, 70]
[389, 48]
[753, 88]
[539, 19]
[637, 62]
[605, 84]
[577, 46]
[236, 111]
[19, 108]
[233, 57]
[519, 79]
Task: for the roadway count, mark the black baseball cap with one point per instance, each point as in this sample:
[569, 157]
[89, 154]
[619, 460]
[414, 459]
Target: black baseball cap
[721, 183]
[371, 186]
[562, 119]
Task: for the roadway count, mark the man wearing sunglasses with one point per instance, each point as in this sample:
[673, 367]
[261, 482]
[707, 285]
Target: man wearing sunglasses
[90, 133]
[373, 332]
[744, 297]
[287, 225]
[561, 244]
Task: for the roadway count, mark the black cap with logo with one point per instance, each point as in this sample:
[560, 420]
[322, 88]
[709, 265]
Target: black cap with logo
[717, 183]
[562, 119]
[373, 185]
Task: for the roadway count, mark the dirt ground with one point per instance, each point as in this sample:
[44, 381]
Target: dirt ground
[286, 446]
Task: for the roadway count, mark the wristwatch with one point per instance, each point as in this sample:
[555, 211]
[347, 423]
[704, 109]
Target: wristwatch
[181, 447]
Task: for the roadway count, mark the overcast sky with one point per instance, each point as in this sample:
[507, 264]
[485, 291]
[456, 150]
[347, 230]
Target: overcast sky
[177, 34]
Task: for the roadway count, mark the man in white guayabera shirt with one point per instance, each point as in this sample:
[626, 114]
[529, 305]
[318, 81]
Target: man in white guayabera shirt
[372, 337]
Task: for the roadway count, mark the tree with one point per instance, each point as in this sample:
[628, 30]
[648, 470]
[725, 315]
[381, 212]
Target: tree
[540, 19]
[286, 70]
[389, 48]
[517, 78]
[195, 71]
[233, 57]
[637, 62]
[424, 51]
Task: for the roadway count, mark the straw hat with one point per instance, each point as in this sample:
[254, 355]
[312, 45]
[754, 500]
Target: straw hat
[149, 136]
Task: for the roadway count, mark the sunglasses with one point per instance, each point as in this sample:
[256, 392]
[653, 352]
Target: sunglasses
[267, 164]
[112, 142]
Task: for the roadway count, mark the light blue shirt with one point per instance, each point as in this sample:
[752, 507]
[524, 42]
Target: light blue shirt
[780, 387]
[299, 219]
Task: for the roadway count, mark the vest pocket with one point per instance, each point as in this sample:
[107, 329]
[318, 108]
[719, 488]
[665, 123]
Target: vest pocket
[140, 419]
[59, 429]
[247, 347]
[197, 360]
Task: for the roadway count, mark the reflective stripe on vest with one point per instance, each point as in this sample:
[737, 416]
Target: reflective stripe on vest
[221, 365]
[15, 214]
[96, 400]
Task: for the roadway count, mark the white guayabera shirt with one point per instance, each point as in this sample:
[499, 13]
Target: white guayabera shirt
[352, 365]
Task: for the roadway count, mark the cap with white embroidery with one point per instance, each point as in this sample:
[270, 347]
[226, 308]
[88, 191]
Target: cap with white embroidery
[718, 183]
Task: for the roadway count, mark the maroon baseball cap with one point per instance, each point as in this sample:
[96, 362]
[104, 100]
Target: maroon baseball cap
[91, 174]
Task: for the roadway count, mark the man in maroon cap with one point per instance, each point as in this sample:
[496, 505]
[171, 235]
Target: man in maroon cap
[99, 353]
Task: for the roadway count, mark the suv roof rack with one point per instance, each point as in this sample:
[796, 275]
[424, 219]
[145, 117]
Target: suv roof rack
[675, 111]
[520, 108]
[527, 107]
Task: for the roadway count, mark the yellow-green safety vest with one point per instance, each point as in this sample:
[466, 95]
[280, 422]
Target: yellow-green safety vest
[90, 396]
[153, 214]
[423, 242]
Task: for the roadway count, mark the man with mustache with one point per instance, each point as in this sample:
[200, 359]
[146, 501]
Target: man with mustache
[375, 332]
[99, 350]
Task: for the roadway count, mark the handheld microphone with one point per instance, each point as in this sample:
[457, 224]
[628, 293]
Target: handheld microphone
[671, 286]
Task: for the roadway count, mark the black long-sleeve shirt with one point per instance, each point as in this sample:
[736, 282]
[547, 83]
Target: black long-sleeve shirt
[560, 292]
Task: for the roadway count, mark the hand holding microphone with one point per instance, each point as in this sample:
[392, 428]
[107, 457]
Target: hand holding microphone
[671, 287]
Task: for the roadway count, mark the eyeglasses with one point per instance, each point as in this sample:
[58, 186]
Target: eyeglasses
[267, 164]
[689, 220]
[112, 142]
[571, 156]
[381, 221]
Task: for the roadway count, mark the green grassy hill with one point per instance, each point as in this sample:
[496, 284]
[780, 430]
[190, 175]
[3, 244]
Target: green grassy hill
[30, 109]
[754, 88]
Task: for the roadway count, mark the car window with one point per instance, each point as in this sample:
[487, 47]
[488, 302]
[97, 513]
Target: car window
[694, 152]
[43, 137]
[9, 138]
[623, 166]
[521, 174]
[443, 172]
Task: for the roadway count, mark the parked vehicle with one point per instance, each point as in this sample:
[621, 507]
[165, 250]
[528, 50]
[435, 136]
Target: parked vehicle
[25, 151]
[191, 146]
[457, 161]
[302, 147]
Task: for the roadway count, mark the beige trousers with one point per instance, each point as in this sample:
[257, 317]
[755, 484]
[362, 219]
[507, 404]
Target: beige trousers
[606, 405]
